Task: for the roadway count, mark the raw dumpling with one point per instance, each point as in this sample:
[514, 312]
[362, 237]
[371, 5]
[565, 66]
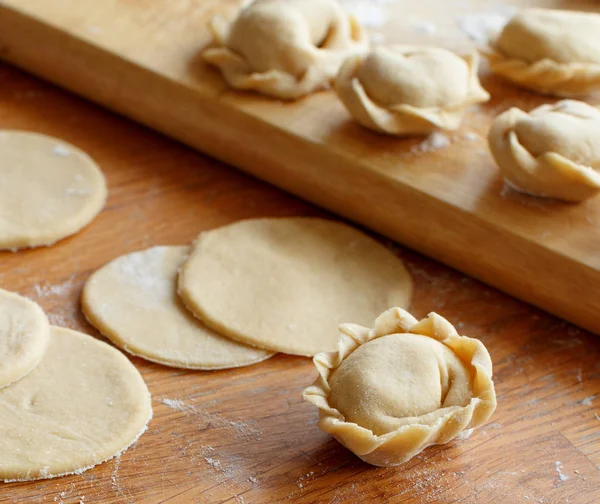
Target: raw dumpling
[406, 90]
[550, 51]
[285, 48]
[552, 151]
[391, 391]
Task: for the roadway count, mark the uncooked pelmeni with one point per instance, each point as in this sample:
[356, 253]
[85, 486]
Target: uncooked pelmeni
[82, 405]
[391, 391]
[550, 51]
[133, 302]
[285, 48]
[552, 151]
[407, 90]
[24, 335]
[48, 190]
[285, 284]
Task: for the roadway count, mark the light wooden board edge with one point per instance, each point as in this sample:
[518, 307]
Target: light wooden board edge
[523, 268]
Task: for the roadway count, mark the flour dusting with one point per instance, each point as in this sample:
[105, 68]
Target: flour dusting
[587, 401]
[176, 404]
[44, 290]
[436, 141]
[561, 475]
[55, 298]
[471, 137]
[423, 26]
[483, 27]
[136, 269]
[61, 151]
[241, 429]
[370, 13]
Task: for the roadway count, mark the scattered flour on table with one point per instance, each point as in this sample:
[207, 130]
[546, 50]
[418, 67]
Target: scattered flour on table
[62, 313]
[370, 13]
[481, 27]
[471, 137]
[587, 401]
[115, 482]
[44, 290]
[376, 38]
[423, 26]
[561, 475]
[436, 141]
[94, 30]
[242, 429]
[69, 493]
[176, 404]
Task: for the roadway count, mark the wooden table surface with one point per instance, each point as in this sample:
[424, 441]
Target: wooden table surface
[245, 435]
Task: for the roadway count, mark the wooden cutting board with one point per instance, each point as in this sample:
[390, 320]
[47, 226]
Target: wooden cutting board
[244, 435]
[444, 198]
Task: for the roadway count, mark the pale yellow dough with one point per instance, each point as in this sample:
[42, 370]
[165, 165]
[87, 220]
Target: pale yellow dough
[408, 90]
[391, 391]
[285, 48]
[285, 284]
[552, 151]
[82, 405]
[550, 51]
[24, 335]
[133, 301]
[48, 190]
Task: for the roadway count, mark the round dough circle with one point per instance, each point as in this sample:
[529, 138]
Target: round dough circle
[82, 405]
[133, 302]
[48, 190]
[390, 381]
[24, 335]
[285, 284]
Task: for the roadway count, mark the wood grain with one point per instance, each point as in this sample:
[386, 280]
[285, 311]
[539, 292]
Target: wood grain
[142, 58]
[245, 436]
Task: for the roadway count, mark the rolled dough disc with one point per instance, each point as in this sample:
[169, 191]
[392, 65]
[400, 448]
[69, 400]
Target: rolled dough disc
[48, 190]
[286, 284]
[82, 405]
[133, 302]
[24, 335]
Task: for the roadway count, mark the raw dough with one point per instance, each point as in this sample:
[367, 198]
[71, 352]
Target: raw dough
[133, 301]
[406, 90]
[82, 405]
[24, 334]
[552, 151]
[550, 51]
[391, 391]
[285, 284]
[48, 190]
[285, 48]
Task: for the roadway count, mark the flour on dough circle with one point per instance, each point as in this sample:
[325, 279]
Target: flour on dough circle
[24, 334]
[48, 190]
[286, 284]
[133, 301]
[82, 405]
